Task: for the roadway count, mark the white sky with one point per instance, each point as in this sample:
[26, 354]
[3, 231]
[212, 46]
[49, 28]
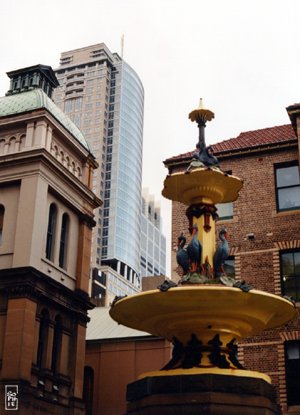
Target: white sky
[242, 57]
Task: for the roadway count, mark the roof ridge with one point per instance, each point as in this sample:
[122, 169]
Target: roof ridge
[249, 139]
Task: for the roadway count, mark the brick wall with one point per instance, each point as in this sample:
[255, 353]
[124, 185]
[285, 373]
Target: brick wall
[257, 260]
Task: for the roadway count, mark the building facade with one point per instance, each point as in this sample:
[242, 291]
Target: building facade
[46, 220]
[263, 227]
[115, 356]
[104, 97]
[153, 242]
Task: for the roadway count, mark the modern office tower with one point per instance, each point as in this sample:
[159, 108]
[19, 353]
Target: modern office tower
[153, 242]
[104, 97]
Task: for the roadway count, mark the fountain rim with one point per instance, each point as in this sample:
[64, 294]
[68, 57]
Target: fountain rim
[200, 302]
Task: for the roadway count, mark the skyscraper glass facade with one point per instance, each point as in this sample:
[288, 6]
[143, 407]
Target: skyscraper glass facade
[104, 97]
[122, 196]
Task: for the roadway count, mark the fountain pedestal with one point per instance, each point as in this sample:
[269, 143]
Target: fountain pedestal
[201, 394]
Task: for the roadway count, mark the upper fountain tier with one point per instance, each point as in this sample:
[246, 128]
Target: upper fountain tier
[202, 185]
[203, 181]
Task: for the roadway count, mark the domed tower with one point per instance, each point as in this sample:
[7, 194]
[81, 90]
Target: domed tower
[46, 218]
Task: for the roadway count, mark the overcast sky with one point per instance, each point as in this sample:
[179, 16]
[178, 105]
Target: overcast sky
[242, 57]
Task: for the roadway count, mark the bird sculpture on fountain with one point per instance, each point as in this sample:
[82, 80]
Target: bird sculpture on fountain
[221, 254]
[182, 256]
[194, 251]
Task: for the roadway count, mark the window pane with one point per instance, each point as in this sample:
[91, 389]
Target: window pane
[290, 274]
[289, 198]
[63, 240]
[225, 210]
[297, 263]
[287, 264]
[293, 351]
[292, 370]
[290, 288]
[287, 176]
[51, 232]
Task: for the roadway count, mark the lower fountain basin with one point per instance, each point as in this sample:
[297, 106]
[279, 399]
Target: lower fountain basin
[204, 311]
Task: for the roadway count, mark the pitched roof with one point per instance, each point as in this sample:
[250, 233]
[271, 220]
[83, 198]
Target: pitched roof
[248, 140]
[103, 327]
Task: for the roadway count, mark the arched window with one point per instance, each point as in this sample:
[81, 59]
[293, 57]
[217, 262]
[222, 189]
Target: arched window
[2, 210]
[51, 231]
[63, 240]
[88, 389]
[57, 341]
[43, 339]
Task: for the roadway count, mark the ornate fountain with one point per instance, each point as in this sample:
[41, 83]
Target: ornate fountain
[207, 312]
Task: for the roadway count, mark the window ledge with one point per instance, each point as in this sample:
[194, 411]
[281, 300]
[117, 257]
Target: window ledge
[229, 220]
[285, 213]
[57, 268]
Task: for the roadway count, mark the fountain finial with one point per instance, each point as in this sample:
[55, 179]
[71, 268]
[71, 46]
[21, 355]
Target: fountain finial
[201, 115]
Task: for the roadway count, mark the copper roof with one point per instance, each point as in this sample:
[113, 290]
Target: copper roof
[36, 99]
[248, 140]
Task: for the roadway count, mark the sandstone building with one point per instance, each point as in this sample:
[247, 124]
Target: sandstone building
[115, 356]
[46, 220]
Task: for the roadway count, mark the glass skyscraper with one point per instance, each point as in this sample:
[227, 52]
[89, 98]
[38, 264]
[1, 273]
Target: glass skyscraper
[104, 97]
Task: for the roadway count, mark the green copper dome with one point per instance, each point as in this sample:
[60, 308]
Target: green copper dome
[35, 99]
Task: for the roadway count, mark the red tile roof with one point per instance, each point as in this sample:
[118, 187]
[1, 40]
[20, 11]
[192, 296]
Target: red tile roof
[248, 140]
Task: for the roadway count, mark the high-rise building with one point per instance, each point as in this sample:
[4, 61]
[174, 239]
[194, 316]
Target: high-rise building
[104, 97]
[153, 242]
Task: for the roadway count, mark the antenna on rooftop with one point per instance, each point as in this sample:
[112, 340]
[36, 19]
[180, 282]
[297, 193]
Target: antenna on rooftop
[122, 45]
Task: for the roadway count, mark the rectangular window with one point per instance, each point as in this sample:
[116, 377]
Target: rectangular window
[290, 274]
[63, 240]
[287, 187]
[292, 371]
[225, 210]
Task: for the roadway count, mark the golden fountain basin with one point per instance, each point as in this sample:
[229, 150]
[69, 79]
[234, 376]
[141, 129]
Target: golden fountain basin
[202, 185]
[204, 311]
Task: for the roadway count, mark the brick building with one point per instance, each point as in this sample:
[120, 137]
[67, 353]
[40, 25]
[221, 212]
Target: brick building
[263, 226]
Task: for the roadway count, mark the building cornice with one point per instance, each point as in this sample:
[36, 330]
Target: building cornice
[28, 282]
